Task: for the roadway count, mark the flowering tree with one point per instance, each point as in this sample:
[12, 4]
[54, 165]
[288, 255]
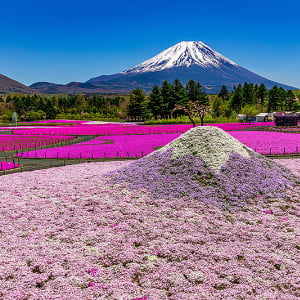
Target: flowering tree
[193, 110]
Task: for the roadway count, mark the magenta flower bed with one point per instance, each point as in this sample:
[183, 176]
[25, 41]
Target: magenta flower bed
[120, 129]
[108, 146]
[54, 121]
[16, 142]
[266, 142]
[141, 145]
[4, 165]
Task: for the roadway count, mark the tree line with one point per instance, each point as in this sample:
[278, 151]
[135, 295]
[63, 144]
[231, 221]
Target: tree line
[36, 107]
[159, 104]
[162, 100]
[257, 96]
[248, 98]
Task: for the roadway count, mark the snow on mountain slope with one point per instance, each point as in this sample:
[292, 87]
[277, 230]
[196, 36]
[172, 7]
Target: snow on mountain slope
[182, 54]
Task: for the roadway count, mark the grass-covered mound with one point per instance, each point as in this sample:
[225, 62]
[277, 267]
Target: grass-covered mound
[209, 165]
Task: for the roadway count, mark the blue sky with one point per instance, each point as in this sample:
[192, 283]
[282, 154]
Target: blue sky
[63, 41]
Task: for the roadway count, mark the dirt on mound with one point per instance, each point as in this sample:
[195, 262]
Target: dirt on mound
[209, 165]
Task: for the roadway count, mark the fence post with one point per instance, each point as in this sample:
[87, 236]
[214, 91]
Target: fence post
[270, 150]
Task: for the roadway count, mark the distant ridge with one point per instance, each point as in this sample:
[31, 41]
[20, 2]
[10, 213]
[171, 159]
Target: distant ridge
[8, 85]
[185, 61]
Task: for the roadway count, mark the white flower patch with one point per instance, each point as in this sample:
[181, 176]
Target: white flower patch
[196, 276]
[213, 145]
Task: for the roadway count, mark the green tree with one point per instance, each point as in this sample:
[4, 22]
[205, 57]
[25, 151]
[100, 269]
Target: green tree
[290, 101]
[218, 107]
[138, 105]
[274, 99]
[167, 99]
[19, 104]
[250, 111]
[195, 93]
[224, 93]
[236, 100]
[261, 94]
[282, 98]
[80, 104]
[179, 94]
[248, 93]
[51, 109]
[155, 101]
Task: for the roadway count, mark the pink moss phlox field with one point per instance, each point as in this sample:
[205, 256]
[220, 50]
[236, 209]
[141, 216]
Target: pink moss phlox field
[141, 145]
[55, 121]
[7, 165]
[266, 142]
[59, 240]
[108, 146]
[15, 142]
[123, 129]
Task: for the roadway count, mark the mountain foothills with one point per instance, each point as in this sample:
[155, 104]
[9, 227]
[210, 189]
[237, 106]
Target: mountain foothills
[8, 85]
[184, 61]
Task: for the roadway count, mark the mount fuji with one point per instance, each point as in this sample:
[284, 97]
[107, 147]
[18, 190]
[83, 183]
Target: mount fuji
[185, 61]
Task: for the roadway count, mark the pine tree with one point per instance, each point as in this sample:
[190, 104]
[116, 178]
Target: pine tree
[290, 101]
[282, 98]
[224, 93]
[236, 100]
[261, 95]
[195, 93]
[248, 93]
[167, 99]
[155, 102]
[274, 99]
[50, 109]
[179, 93]
[138, 106]
[80, 103]
[217, 107]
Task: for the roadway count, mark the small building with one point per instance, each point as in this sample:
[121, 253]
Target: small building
[262, 117]
[242, 117]
[286, 121]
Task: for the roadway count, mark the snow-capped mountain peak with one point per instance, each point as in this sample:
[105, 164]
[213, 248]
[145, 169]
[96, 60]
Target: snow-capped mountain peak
[182, 54]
